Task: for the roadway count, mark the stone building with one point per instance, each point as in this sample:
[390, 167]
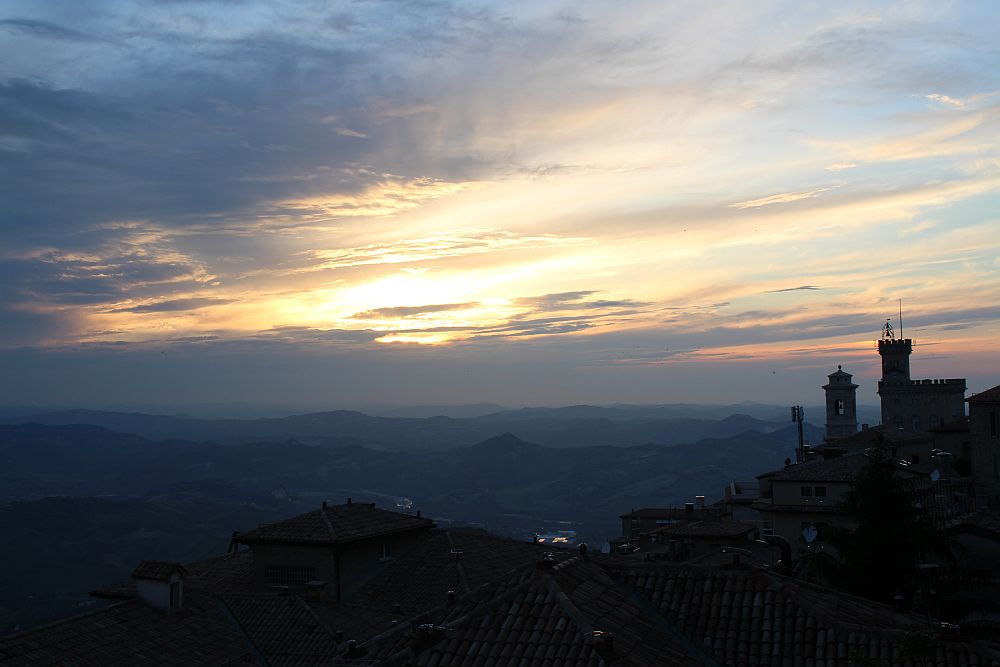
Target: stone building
[984, 434]
[914, 405]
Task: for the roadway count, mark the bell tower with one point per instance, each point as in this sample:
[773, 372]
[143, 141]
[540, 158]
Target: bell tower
[895, 353]
[841, 405]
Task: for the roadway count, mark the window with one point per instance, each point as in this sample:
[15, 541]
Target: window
[820, 491]
[806, 491]
[933, 422]
[386, 551]
[994, 425]
[897, 421]
[838, 407]
[288, 575]
[916, 423]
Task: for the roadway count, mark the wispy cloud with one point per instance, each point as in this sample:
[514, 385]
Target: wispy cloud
[456, 243]
[794, 289]
[783, 198]
[410, 311]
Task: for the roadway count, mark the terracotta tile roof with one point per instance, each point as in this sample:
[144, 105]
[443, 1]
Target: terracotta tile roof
[674, 513]
[131, 633]
[335, 524]
[443, 561]
[988, 396]
[705, 529]
[841, 469]
[869, 436]
[231, 573]
[548, 619]
[748, 617]
[157, 570]
[283, 629]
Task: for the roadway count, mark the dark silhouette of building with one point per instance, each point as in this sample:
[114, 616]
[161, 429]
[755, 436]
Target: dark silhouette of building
[984, 434]
[914, 405]
[841, 405]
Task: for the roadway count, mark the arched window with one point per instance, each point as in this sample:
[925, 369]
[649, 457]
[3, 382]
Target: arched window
[916, 422]
[933, 422]
[897, 421]
[838, 406]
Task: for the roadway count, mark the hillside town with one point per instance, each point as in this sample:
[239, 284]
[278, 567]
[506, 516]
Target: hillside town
[756, 577]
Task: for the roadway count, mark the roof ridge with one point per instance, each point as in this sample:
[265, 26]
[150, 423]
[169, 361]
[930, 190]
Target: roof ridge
[458, 564]
[326, 520]
[663, 622]
[586, 629]
[244, 635]
[67, 619]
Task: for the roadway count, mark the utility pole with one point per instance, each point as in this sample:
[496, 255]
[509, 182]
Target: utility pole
[797, 413]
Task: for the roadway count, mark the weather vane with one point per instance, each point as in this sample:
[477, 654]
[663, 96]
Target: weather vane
[887, 333]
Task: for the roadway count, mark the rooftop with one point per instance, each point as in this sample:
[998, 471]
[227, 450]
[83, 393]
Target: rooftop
[988, 396]
[705, 529]
[157, 570]
[841, 469]
[335, 524]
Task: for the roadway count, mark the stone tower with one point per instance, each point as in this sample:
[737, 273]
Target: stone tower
[841, 405]
[895, 353]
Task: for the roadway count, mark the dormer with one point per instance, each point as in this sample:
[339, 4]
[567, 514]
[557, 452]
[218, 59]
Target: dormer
[160, 584]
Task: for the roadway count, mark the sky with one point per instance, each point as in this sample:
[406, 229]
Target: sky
[326, 204]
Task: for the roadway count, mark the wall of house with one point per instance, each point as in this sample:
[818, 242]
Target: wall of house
[293, 565]
[984, 435]
[790, 525]
[363, 560]
[157, 593]
[790, 493]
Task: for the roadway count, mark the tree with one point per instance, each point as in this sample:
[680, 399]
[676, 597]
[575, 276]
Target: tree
[891, 533]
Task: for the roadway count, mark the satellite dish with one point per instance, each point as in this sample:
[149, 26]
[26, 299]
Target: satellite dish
[809, 533]
[935, 475]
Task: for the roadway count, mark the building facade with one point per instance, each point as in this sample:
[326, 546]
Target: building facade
[914, 405]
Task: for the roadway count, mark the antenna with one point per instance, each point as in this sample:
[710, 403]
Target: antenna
[900, 318]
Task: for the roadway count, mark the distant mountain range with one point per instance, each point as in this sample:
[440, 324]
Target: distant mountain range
[573, 426]
[85, 501]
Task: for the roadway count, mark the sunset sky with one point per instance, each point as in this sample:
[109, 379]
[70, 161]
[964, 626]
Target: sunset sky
[328, 204]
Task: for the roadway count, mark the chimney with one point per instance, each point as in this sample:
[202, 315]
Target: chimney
[451, 597]
[699, 502]
[418, 514]
[349, 501]
[546, 563]
[324, 504]
[864, 427]
[689, 508]
[583, 549]
[604, 642]
[160, 584]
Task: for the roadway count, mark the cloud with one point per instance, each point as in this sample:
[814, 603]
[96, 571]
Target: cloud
[174, 305]
[348, 132]
[438, 245]
[410, 311]
[783, 198]
[840, 166]
[46, 30]
[793, 289]
[957, 102]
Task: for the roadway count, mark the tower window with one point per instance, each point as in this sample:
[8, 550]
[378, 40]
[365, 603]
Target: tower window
[838, 407]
